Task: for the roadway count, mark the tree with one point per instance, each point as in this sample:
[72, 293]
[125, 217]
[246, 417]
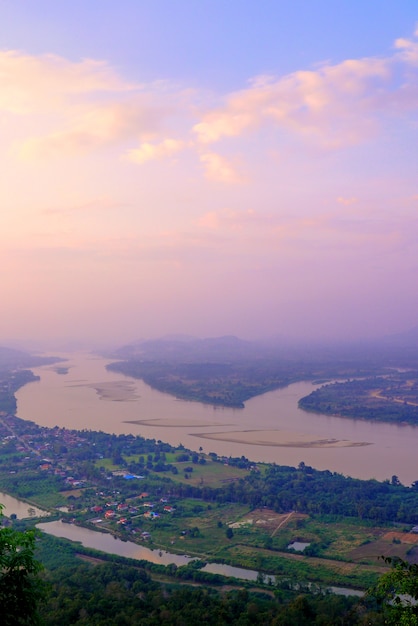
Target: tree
[229, 533]
[397, 591]
[20, 586]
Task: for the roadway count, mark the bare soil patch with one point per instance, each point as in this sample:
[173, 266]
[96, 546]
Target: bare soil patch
[403, 537]
[268, 519]
[76, 493]
[384, 546]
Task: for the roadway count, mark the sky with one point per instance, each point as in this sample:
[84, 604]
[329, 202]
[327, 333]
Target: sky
[209, 168]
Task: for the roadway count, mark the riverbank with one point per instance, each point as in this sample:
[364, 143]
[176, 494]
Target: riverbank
[111, 545]
[22, 509]
[199, 504]
[125, 405]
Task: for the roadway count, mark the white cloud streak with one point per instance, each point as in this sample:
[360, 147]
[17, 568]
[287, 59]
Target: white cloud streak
[71, 108]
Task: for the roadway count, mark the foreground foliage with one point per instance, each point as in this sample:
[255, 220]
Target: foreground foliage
[20, 586]
[397, 593]
[104, 595]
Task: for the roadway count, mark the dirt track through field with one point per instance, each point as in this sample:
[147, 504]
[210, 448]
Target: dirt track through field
[282, 523]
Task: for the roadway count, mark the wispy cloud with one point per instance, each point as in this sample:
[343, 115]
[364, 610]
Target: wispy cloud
[94, 126]
[155, 151]
[71, 108]
[333, 105]
[38, 83]
[219, 169]
[62, 108]
[346, 201]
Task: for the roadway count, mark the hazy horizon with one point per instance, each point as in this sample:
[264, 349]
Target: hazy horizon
[209, 169]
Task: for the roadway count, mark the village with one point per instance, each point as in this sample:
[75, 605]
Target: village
[78, 478]
[269, 518]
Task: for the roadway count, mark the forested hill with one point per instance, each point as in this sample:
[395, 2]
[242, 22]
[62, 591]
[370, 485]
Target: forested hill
[14, 373]
[228, 371]
[14, 359]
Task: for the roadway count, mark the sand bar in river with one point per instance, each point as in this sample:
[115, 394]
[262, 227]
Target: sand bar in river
[114, 391]
[279, 438]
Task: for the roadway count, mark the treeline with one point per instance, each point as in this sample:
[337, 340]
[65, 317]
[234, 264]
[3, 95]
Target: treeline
[315, 492]
[390, 399]
[29, 483]
[10, 382]
[329, 493]
[211, 383]
[102, 595]
[232, 383]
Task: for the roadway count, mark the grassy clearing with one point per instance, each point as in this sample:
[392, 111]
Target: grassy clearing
[345, 540]
[260, 538]
[298, 567]
[212, 474]
[108, 465]
[49, 500]
[195, 528]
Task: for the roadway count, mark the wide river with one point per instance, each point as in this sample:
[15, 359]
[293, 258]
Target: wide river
[270, 428]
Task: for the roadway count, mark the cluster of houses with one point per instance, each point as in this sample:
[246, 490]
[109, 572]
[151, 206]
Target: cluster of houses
[44, 448]
[124, 513]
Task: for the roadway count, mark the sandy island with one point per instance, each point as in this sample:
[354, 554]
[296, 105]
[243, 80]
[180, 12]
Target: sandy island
[279, 438]
[125, 391]
[169, 423]
[275, 438]
[115, 391]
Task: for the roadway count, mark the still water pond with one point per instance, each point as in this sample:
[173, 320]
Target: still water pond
[298, 546]
[21, 509]
[270, 428]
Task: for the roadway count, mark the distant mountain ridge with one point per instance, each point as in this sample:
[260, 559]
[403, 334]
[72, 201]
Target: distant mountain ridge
[11, 358]
[407, 338]
[228, 348]
[186, 347]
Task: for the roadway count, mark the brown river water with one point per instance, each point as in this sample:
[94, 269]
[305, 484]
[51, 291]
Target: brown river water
[270, 428]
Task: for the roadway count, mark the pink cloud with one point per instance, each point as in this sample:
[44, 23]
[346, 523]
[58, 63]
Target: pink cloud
[219, 169]
[150, 152]
[333, 105]
[408, 48]
[31, 83]
[347, 201]
[93, 126]
[58, 107]
[72, 108]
